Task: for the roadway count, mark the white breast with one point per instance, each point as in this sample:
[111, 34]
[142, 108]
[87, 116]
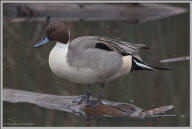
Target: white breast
[59, 65]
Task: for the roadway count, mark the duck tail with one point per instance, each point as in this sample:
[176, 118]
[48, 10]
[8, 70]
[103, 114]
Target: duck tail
[142, 66]
[160, 68]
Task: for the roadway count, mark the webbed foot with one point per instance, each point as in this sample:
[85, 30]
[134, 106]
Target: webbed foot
[94, 103]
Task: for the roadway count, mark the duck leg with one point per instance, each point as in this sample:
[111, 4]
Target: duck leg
[87, 96]
[97, 102]
[100, 97]
[88, 92]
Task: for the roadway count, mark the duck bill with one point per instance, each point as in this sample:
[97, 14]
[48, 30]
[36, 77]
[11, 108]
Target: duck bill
[42, 42]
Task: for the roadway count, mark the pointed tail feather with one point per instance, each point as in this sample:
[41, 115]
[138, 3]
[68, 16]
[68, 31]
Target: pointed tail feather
[142, 66]
[160, 68]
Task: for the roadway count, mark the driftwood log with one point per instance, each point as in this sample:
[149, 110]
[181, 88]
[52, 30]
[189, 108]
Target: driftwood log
[130, 12]
[75, 105]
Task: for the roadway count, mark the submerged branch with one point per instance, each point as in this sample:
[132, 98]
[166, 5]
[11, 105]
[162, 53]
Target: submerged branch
[74, 104]
[133, 13]
[177, 59]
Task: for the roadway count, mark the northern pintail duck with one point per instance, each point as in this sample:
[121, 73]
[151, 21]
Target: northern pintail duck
[91, 59]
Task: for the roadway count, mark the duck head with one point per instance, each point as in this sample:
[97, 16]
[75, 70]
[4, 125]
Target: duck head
[55, 32]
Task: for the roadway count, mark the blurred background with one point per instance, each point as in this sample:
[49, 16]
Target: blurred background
[163, 28]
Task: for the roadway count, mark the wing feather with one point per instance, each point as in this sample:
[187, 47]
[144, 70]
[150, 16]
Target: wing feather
[123, 48]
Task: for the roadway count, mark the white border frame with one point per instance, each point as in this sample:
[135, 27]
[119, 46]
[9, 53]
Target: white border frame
[3, 1]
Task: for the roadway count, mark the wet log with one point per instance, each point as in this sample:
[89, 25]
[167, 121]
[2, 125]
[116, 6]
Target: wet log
[130, 12]
[75, 105]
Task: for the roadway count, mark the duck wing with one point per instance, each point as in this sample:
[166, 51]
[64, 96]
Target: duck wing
[108, 44]
[124, 48]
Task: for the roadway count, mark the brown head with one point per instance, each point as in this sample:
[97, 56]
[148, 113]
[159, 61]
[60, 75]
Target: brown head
[57, 31]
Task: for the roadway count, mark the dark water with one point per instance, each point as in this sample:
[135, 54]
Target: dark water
[27, 68]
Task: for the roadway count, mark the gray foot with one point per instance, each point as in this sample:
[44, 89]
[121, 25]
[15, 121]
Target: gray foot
[94, 103]
[84, 99]
[88, 101]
